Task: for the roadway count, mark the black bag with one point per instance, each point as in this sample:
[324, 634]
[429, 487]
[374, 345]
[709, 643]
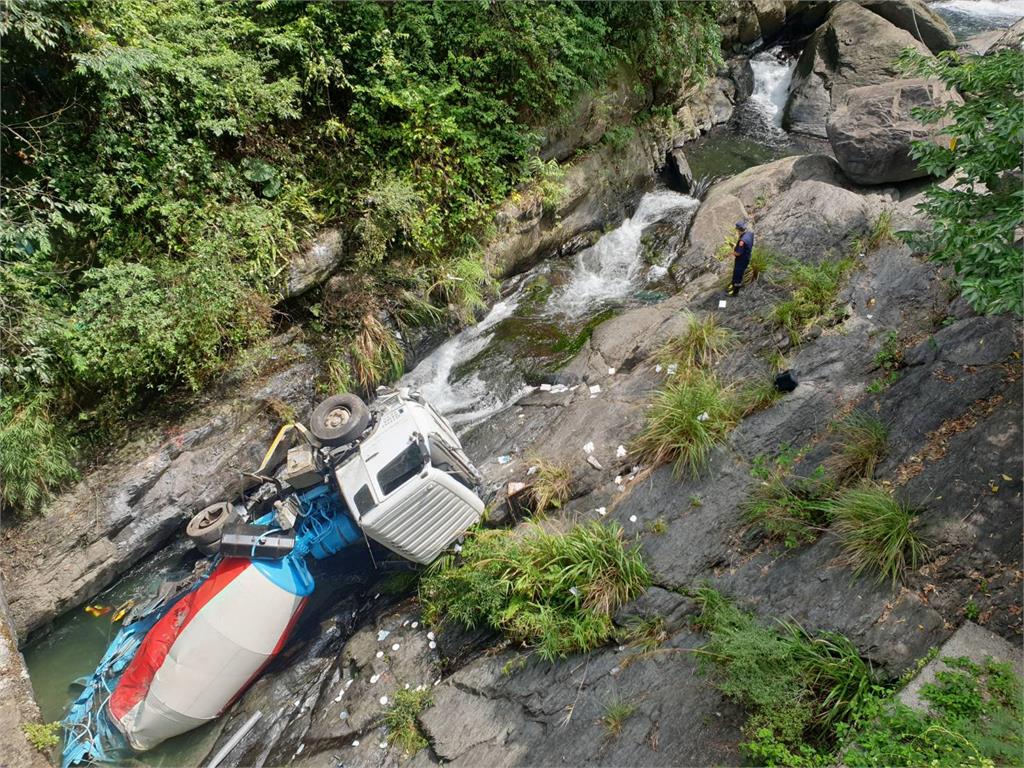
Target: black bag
[786, 381]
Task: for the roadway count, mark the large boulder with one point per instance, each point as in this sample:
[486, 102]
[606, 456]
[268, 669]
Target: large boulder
[871, 132]
[855, 47]
[916, 18]
[314, 264]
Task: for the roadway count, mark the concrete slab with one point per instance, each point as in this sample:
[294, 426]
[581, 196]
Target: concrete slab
[972, 641]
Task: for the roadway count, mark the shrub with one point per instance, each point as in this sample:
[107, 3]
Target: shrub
[687, 419]
[762, 261]
[861, 442]
[554, 592]
[402, 719]
[875, 531]
[551, 486]
[35, 456]
[790, 510]
[814, 289]
[890, 355]
[701, 345]
[42, 736]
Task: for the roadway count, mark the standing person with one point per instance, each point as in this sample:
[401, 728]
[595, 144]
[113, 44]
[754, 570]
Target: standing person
[742, 251]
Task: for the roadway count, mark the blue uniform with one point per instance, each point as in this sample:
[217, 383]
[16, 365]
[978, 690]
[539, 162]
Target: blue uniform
[743, 248]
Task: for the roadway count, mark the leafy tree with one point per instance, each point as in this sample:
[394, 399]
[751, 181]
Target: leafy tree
[977, 220]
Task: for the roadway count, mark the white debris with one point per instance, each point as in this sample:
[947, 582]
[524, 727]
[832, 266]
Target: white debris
[531, 471]
[592, 461]
[558, 389]
[632, 518]
[338, 697]
[407, 686]
[374, 679]
[343, 714]
[574, 591]
[383, 745]
[620, 452]
[415, 624]
[430, 635]
[299, 750]
[618, 479]
[383, 701]
[545, 387]
[377, 596]
[348, 683]
[657, 368]
[432, 645]
[513, 488]
[602, 511]
[383, 635]
[611, 371]
[355, 743]
[521, 416]
[380, 654]
[295, 703]
[595, 389]
[721, 303]
[395, 647]
[870, 316]
[589, 447]
[504, 459]
[703, 417]
[457, 548]
[671, 370]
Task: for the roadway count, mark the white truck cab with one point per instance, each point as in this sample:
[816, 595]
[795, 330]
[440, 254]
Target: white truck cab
[409, 485]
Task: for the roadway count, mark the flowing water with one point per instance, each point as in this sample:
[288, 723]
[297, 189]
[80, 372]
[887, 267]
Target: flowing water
[969, 17]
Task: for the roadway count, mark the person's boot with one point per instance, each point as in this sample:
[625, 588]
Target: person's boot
[732, 290]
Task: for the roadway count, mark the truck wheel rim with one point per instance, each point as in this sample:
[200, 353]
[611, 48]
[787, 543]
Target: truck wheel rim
[339, 417]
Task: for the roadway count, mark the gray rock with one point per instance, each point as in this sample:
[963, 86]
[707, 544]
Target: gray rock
[812, 218]
[771, 16]
[680, 169]
[19, 702]
[872, 130]
[915, 17]
[145, 491]
[854, 47]
[743, 76]
[1011, 38]
[315, 264]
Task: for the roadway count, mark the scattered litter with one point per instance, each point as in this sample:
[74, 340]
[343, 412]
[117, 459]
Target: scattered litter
[671, 370]
[531, 471]
[405, 623]
[299, 750]
[703, 417]
[620, 452]
[611, 371]
[558, 389]
[338, 697]
[657, 368]
[383, 745]
[355, 743]
[721, 303]
[374, 679]
[457, 548]
[432, 645]
[380, 654]
[870, 316]
[343, 714]
[377, 596]
[618, 479]
[395, 647]
[430, 635]
[574, 591]
[348, 683]
[592, 461]
[295, 703]
[504, 459]
[415, 624]
[513, 488]
[595, 390]
[614, 671]
[521, 416]
[436, 682]
[407, 686]
[545, 387]
[632, 518]
[589, 447]
[602, 511]
[383, 701]
[383, 635]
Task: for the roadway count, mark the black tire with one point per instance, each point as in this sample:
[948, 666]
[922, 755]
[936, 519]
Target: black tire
[339, 419]
[207, 525]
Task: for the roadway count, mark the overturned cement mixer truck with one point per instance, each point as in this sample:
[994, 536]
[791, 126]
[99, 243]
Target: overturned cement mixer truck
[394, 473]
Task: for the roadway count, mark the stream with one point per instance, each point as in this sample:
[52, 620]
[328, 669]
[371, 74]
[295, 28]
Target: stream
[541, 319]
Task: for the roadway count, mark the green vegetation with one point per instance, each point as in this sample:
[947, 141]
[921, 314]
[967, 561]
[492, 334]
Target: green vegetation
[657, 527]
[790, 509]
[758, 394]
[762, 261]
[702, 344]
[551, 486]
[554, 592]
[814, 289]
[402, 719]
[974, 223]
[861, 442]
[971, 610]
[876, 531]
[882, 383]
[812, 701]
[42, 736]
[647, 633]
[881, 233]
[687, 419]
[616, 713]
[163, 159]
[890, 356]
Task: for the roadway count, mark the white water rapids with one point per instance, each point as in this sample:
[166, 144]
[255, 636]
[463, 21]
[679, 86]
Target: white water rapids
[773, 72]
[608, 271]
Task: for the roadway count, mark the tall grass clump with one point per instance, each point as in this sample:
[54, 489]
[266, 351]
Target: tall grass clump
[551, 486]
[814, 289]
[793, 512]
[402, 719]
[35, 456]
[762, 261]
[702, 343]
[554, 592]
[687, 419]
[796, 686]
[862, 442]
[757, 394]
[876, 531]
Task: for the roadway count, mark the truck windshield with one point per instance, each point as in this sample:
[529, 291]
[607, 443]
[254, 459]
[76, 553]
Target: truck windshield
[401, 468]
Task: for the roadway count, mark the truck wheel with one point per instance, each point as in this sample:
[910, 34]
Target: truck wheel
[339, 419]
[207, 525]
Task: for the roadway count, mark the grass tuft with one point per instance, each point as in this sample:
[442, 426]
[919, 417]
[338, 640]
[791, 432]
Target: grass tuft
[553, 592]
[758, 394]
[792, 512]
[402, 720]
[616, 713]
[701, 345]
[862, 442]
[876, 531]
[647, 633]
[35, 456]
[551, 487]
[377, 356]
[814, 290]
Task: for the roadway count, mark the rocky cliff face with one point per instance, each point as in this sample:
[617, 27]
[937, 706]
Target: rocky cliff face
[954, 417]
